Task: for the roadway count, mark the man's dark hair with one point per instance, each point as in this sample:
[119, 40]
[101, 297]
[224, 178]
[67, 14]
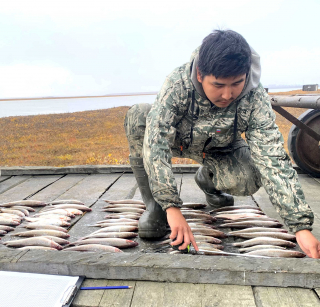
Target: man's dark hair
[224, 54]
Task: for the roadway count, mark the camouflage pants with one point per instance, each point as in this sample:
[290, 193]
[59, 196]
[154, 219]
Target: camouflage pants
[233, 172]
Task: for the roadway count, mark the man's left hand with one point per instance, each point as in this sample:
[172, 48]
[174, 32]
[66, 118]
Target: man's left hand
[308, 243]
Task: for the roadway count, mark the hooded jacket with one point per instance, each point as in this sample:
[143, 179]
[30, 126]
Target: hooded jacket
[183, 122]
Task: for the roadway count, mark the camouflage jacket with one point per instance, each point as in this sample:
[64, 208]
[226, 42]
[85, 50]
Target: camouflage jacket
[173, 122]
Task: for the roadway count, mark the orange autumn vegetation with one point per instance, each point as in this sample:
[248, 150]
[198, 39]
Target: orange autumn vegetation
[90, 137]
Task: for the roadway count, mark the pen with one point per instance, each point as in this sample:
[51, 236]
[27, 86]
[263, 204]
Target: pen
[106, 288]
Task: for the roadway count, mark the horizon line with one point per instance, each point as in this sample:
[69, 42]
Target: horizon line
[86, 96]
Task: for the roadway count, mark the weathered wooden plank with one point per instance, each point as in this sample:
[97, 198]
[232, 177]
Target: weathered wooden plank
[3, 178]
[12, 182]
[119, 297]
[84, 169]
[90, 298]
[118, 190]
[284, 297]
[28, 188]
[90, 188]
[149, 294]
[227, 295]
[167, 294]
[317, 290]
[59, 187]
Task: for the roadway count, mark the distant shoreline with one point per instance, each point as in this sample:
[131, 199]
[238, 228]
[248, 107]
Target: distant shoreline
[74, 97]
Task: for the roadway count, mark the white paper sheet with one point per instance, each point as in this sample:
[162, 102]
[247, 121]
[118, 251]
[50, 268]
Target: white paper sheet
[30, 290]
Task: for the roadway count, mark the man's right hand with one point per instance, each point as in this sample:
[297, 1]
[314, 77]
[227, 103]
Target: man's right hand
[180, 230]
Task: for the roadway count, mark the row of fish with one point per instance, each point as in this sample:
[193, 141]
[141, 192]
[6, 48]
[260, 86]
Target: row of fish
[117, 228]
[45, 229]
[263, 235]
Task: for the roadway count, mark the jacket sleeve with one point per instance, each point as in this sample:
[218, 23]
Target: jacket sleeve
[278, 177]
[159, 138]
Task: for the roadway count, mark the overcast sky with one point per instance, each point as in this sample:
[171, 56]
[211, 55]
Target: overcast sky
[73, 48]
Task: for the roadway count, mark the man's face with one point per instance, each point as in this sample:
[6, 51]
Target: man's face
[222, 91]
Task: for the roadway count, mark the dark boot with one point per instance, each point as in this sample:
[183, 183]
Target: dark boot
[215, 198]
[152, 223]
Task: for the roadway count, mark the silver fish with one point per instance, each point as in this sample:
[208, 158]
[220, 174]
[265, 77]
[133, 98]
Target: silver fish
[199, 225]
[8, 216]
[39, 241]
[200, 238]
[37, 247]
[42, 232]
[66, 201]
[67, 206]
[258, 229]
[231, 208]
[48, 217]
[24, 211]
[254, 223]
[60, 241]
[114, 224]
[206, 245]
[125, 205]
[9, 222]
[29, 202]
[6, 228]
[3, 232]
[14, 212]
[278, 235]
[116, 242]
[54, 222]
[257, 247]
[94, 248]
[239, 211]
[192, 215]
[56, 211]
[123, 235]
[124, 201]
[237, 216]
[117, 221]
[123, 216]
[251, 218]
[198, 221]
[30, 209]
[208, 232]
[118, 229]
[74, 211]
[277, 253]
[125, 209]
[42, 226]
[264, 241]
[186, 210]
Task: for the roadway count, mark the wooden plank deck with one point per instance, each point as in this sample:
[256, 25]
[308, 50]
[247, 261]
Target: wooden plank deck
[159, 279]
